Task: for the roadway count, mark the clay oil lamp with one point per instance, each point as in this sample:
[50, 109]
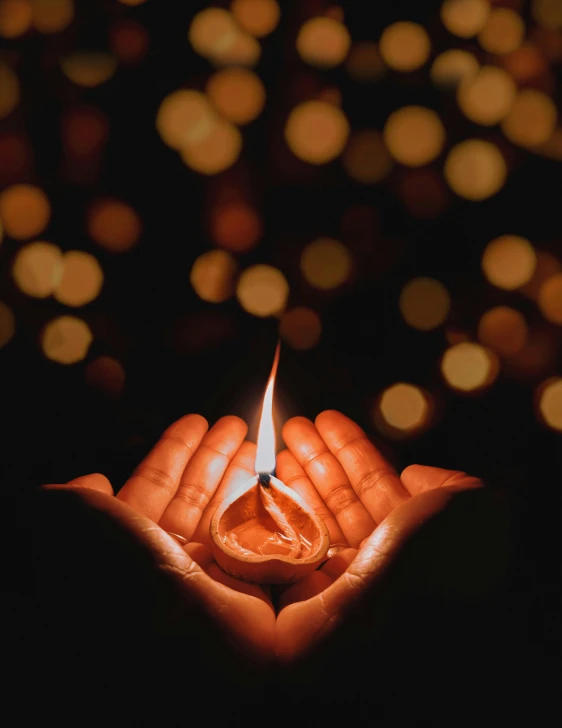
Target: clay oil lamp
[265, 533]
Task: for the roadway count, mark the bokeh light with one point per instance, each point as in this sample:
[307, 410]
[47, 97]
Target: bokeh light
[468, 367]
[487, 97]
[404, 407]
[547, 266]
[423, 192]
[66, 339]
[237, 94]
[326, 263]
[15, 18]
[531, 120]
[526, 64]
[475, 169]
[465, 18]
[52, 16]
[81, 280]
[215, 35]
[549, 40]
[503, 329]
[404, 46]
[503, 32]
[547, 13]
[364, 63]
[366, 158]
[550, 299]
[9, 90]
[38, 269]
[212, 276]
[236, 226]
[184, 116]
[300, 328]
[549, 400]
[16, 157]
[216, 151]
[85, 130]
[453, 66]
[316, 131]
[262, 290]
[7, 324]
[414, 135]
[113, 224]
[89, 69]
[509, 262]
[258, 17]
[129, 41]
[24, 211]
[424, 303]
[537, 357]
[323, 42]
[105, 374]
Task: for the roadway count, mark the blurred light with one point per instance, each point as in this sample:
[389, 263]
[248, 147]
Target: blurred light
[509, 261]
[132, 2]
[7, 324]
[503, 329]
[216, 151]
[547, 265]
[245, 51]
[468, 367]
[184, 116]
[550, 402]
[414, 135]
[404, 407]
[129, 41]
[262, 290]
[366, 158]
[323, 42]
[9, 90]
[503, 32]
[531, 120]
[453, 66]
[89, 69]
[404, 46]
[16, 161]
[212, 276]
[487, 97]
[301, 328]
[552, 147]
[106, 375]
[423, 192]
[38, 269]
[215, 35]
[66, 339]
[85, 130]
[15, 17]
[364, 62]
[550, 299]
[81, 281]
[325, 263]
[475, 169]
[52, 16]
[547, 13]
[537, 356]
[24, 210]
[316, 131]
[114, 225]
[525, 64]
[236, 226]
[550, 42]
[258, 17]
[465, 18]
[424, 303]
[238, 94]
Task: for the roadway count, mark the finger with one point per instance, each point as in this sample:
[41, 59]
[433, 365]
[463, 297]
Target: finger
[294, 476]
[419, 478]
[335, 566]
[240, 470]
[200, 554]
[329, 479]
[94, 481]
[373, 478]
[306, 588]
[253, 590]
[202, 476]
[156, 479]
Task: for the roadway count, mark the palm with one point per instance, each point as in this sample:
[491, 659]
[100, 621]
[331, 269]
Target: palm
[331, 465]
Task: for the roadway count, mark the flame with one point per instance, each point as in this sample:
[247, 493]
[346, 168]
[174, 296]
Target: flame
[265, 455]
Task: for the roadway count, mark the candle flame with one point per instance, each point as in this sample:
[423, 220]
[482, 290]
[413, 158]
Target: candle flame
[265, 455]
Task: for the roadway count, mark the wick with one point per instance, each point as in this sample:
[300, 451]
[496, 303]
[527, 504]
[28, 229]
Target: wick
[264, 479]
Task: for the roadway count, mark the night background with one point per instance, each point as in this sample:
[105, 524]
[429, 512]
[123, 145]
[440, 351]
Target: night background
[82, 119]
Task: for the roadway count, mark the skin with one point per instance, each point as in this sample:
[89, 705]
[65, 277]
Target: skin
[370, 512]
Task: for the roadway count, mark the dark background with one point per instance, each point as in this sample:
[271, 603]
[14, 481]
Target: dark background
[56, 428]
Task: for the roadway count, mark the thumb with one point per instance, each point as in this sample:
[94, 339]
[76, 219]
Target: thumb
[419, 478]
[94, 481]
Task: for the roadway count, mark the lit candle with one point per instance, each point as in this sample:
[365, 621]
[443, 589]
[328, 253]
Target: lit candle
[265, 532]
